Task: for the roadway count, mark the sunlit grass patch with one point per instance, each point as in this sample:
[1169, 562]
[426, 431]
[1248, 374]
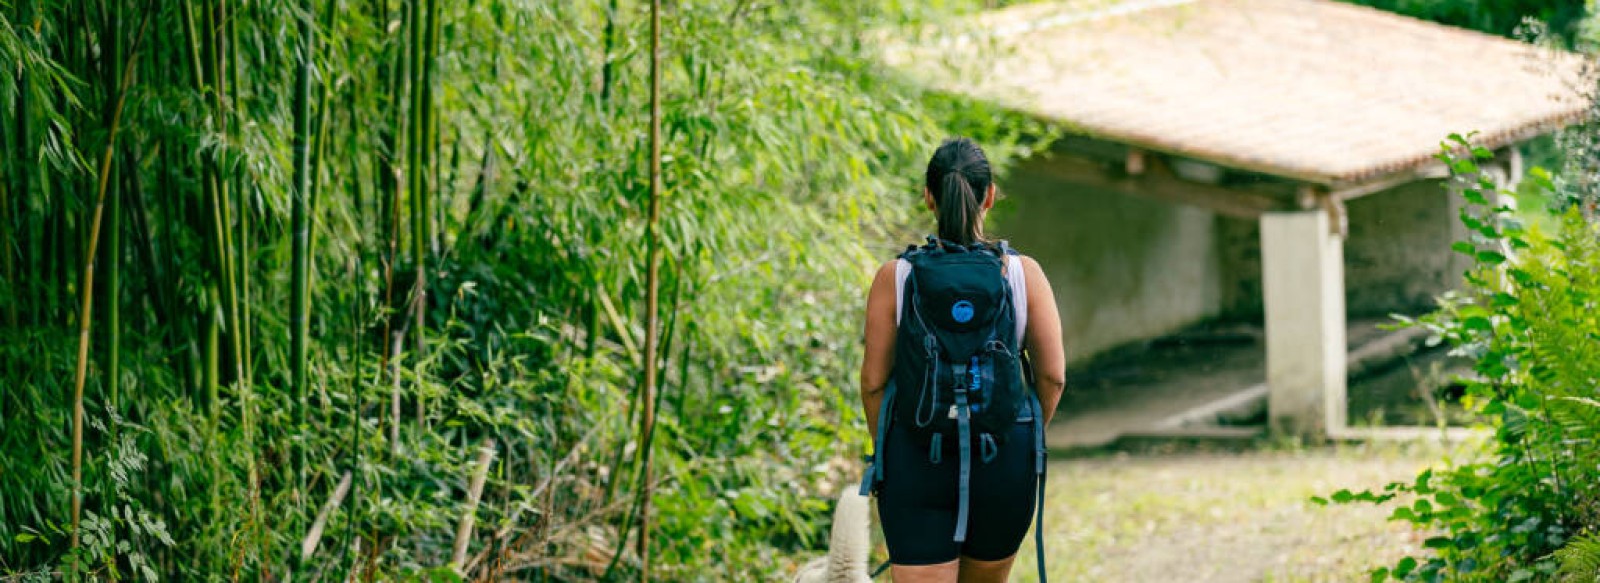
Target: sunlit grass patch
[1225, 516]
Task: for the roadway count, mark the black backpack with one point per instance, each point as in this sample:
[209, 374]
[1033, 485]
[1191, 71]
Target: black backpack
[957, 345]
[959, 372]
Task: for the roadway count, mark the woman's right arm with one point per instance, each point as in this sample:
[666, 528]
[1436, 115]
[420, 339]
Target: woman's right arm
[878, 356]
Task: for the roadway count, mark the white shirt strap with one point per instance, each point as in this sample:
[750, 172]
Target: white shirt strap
[902, 269]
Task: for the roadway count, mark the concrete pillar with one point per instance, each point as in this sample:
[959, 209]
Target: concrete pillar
[1302, 272]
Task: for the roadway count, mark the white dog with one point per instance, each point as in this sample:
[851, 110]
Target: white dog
[848, 545]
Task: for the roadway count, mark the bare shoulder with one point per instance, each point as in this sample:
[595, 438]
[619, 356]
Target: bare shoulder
[885, 274]
[882, 284]
[1031, 268]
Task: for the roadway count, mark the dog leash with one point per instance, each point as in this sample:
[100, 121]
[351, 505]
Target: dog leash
[880, 570]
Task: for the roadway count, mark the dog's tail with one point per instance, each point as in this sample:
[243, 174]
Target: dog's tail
[851, 541]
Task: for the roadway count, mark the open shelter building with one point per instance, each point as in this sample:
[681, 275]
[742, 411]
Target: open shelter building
[1272, 161]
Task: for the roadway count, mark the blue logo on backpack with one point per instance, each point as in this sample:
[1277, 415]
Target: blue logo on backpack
[961, 311]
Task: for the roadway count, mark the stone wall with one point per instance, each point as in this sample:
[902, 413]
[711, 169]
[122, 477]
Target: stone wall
[1123, 268]
[1126, 269]
[1396, 256]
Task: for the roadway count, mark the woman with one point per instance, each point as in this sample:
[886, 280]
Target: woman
[917, 500]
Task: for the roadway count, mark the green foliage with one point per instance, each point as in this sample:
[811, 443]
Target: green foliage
[1529, 321]
[1580, 559]
[1502, 17]
[791, 167]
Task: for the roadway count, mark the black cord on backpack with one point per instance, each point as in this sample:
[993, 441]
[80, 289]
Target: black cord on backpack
[930, 379]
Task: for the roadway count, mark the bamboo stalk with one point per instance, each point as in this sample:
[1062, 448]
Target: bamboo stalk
[107, 23]
[319, 129]
[243, 366]
[12, 286]
[430, 129]
[73, 212]
[444, 192]
[652, 283]
[209, 361]
[358, 325]
[154, 267]
[230, 274]
[60, 259]
[192, 36]
[214, 83]
[607, 67]
[308, 545]
[394, 392]
[86, 307]
[319, 136]
[299, 321]
[388, 176]
[417, 183]
[388, 173]
[114, 247]
[242, 203]
[391, 184]
[480, 472]
[360, 198]
[198, 56]
[23, 180]
[414, 149]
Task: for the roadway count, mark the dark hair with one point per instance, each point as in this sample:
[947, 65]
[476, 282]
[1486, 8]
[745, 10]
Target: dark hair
[959, 177]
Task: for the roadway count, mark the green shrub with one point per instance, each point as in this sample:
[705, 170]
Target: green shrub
[1502, 17]
[1530, 319]
[791, 166]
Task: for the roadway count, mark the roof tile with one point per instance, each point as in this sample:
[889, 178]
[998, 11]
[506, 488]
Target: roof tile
[1308, 89]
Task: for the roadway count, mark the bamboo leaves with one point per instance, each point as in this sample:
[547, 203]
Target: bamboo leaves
[372, 234]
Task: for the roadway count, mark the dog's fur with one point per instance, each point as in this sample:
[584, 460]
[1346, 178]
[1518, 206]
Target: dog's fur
[848, 544]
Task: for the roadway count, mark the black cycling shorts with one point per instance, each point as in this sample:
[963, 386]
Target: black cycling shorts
[918, 500]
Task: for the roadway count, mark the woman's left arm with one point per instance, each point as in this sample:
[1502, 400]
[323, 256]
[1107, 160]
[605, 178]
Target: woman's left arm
[1043, 338]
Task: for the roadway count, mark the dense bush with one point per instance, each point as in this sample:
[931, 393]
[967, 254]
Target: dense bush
[790, 164]
[1502, 17]
[1530, 508]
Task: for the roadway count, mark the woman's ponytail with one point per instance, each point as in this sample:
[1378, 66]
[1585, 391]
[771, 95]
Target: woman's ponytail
[958, 178]
[958, 210]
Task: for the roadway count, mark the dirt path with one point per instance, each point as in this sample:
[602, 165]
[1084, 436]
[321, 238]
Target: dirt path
[1224, 517]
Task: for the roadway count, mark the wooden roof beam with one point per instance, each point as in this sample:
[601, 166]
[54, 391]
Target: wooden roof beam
[1432, 171]
[1145, 175]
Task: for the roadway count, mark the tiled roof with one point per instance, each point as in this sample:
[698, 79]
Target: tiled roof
[1308, 89]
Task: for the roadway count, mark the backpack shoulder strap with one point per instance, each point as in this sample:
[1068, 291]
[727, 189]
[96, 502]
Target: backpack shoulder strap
[931, 246]
[874, 474]
[1040, 452]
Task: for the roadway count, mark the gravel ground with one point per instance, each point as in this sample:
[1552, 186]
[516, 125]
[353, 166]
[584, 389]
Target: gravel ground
[1225, 517]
